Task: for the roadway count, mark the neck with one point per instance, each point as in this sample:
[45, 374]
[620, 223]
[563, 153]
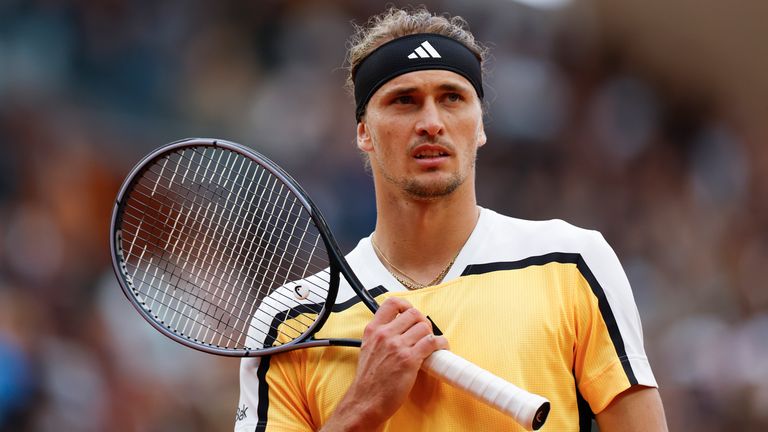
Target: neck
[420, 237]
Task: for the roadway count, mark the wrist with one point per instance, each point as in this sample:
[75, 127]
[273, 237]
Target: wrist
[354, 414]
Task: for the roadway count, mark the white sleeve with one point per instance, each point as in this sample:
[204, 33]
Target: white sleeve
[257, 397]
[618, 306]
[246, 416]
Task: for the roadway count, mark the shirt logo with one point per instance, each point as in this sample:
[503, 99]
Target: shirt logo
[301, 292]
[425, 50]
[240, 415]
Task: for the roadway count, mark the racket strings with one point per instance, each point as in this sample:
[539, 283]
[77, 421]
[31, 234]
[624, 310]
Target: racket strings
[228, 248]
[171, 305]
[230, 273]
[220, 299]
[200, 267]
[241, 239]
[309, 267]
[195, 194]
[185, 312]
[226, 236]
[189, 191]
[168, 305]
[299, 215]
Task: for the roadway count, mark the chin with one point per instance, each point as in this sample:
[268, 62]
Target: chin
[430, 190]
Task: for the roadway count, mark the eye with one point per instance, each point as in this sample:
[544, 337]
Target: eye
[453, 97]
[403, 100]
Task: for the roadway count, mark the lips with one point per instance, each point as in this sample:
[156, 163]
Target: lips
[429, 152]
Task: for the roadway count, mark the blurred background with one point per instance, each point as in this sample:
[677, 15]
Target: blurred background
[644, 119]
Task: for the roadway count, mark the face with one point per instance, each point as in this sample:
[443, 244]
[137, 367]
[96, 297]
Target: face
[421, 131]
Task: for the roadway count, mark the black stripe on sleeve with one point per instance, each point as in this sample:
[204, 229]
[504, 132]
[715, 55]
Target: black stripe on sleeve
[597, 290]
[609, 318]
[585, 411]
[263, 409]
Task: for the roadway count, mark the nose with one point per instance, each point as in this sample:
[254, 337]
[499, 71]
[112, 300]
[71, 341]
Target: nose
[430, 122]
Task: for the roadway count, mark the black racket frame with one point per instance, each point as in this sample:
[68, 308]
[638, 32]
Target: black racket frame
[338, 265]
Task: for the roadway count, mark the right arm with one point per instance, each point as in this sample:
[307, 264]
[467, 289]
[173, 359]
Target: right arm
[395, 344]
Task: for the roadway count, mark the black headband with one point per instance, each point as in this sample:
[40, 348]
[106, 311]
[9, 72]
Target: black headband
[412, 53]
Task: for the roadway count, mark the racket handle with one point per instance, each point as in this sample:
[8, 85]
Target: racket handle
[528, 409]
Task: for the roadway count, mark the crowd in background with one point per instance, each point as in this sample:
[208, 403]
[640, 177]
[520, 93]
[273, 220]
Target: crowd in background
[576, 131]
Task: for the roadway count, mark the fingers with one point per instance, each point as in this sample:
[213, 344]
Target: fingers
[423, 341]
[394, 317]
[429, 344]
[416, 332]
[398, 320]
[389, 310]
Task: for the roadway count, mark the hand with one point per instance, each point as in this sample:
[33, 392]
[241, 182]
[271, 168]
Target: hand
[395, 343]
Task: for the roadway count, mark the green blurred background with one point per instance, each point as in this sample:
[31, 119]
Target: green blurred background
[644, 119]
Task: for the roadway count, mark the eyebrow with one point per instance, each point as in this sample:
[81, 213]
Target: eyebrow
[453, 87]
[399, 91]
[407, 90]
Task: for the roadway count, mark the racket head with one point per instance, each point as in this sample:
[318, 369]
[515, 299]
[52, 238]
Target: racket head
[194, 237]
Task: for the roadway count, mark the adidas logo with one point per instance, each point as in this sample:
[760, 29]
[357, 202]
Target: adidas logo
[425, 50]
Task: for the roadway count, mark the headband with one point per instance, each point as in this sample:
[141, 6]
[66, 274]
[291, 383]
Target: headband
[412, 53]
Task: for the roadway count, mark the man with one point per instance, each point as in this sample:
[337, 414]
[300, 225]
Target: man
[545, 305]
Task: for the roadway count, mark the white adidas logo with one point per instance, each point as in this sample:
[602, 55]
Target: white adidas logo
[425, 50]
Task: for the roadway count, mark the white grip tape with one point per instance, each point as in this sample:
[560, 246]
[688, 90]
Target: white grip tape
[524, 407]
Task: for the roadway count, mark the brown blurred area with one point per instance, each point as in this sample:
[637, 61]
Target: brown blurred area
[644, 120]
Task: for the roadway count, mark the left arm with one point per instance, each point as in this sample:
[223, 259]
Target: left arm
[637, 409]
[612, 370]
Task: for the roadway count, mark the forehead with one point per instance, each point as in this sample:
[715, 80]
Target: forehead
[425, 80]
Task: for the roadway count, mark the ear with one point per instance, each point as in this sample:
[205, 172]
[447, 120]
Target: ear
[481, 138]
[364, 138]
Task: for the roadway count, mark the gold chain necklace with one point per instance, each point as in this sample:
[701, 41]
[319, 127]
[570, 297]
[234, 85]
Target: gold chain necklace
[408, 281]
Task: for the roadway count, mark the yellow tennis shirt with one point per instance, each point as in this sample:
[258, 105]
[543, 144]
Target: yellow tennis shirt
[544, 305]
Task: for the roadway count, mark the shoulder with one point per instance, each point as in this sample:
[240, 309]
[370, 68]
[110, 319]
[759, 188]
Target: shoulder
[522, 238]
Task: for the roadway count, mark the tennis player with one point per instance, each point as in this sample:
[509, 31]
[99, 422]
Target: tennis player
[544, 305]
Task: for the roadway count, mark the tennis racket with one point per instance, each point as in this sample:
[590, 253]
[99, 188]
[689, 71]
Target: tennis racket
[222, 251]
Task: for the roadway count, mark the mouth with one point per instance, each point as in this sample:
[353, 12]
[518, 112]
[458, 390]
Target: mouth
[429, 152]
